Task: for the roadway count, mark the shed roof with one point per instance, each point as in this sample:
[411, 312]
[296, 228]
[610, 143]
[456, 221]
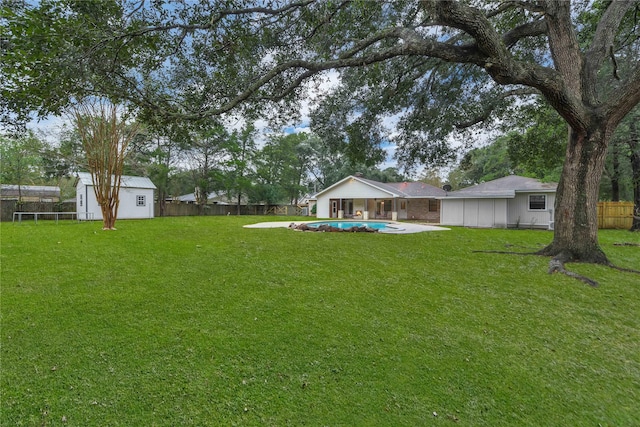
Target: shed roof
[405, 190]
[126, 182]
[503, 188]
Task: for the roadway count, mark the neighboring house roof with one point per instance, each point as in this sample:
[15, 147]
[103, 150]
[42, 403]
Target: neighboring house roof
[11, 191]
[503, 188]
[126, 181]
[404, 190]
[220, 199]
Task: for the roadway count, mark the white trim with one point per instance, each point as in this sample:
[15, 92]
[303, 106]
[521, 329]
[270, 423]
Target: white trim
[529, 202]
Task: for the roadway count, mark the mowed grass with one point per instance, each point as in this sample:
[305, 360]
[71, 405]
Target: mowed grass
[198, 321]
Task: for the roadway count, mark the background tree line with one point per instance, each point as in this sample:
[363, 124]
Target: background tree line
[193, 159]
[288, 167]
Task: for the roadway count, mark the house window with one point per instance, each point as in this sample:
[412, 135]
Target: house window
[433, 205]
[141, 200]
[81, 200]
[537, 202]
[403, 205]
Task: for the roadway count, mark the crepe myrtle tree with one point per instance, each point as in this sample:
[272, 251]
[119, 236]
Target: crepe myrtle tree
[106, 138]
[437, 66]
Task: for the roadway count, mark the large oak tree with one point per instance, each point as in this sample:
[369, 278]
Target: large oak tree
[200, 59]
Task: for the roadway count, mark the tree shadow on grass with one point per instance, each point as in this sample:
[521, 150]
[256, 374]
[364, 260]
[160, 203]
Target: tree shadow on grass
[557, 263]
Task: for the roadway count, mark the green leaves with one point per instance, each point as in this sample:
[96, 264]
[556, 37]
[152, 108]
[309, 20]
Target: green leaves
[21, 159]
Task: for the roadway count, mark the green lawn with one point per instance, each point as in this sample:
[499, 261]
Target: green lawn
[197, 321]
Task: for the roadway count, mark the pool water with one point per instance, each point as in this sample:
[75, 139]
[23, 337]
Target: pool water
[349, 224]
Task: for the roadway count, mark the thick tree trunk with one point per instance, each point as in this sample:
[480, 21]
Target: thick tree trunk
[576, 223]
[109, 210]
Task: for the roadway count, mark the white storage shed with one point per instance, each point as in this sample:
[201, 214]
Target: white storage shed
[136, 198]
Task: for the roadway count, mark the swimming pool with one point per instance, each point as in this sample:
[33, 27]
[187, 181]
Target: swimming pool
[376, 225]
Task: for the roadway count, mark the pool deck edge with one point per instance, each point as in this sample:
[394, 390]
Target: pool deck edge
[407, 227]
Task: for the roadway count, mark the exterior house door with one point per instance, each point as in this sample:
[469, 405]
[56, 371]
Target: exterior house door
[402, 209]
[334, 209]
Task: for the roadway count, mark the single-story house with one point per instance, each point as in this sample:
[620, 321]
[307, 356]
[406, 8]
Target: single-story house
[511, 201]
[30, 193]
[360, 198]
[136, 198]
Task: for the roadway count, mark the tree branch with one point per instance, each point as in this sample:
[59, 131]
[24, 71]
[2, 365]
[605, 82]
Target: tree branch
[490, 106]
[564, 46]
[526, 5]
[530, 29]
[603, 39]
[472, 21]
[623, 99]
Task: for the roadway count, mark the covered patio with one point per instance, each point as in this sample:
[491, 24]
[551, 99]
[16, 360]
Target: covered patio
[355, 197]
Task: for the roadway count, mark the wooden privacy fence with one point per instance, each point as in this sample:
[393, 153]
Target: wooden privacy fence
[615, 215]
[8, 207]
[183, 209]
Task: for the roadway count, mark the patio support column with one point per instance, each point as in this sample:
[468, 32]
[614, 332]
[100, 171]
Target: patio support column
[340, 210]
[394, 212]
[365, 211]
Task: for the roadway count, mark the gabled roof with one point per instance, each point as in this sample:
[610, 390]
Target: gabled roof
[404, 190]
[503, 188]
[126, 182]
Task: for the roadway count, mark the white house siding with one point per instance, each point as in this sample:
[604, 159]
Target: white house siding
[492, 213]
[500, 213]
[484, 213]
[452, 212]
[519, 214]
[350, 189]
[470, 212]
